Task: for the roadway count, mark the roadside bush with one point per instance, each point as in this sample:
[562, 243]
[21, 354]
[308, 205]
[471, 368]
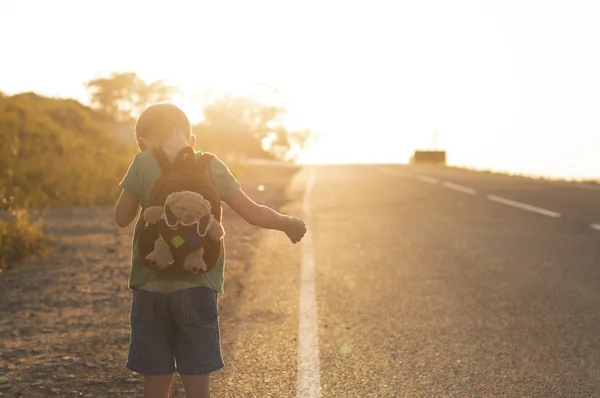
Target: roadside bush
[19, 237]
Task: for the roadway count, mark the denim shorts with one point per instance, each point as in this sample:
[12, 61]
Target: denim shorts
[176, 331]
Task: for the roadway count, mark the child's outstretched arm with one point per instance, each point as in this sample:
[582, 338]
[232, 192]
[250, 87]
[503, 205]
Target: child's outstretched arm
[264, 217]
[128, 203]
[126, 209]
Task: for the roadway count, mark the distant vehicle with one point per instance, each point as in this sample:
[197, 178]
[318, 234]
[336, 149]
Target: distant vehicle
[428, 157]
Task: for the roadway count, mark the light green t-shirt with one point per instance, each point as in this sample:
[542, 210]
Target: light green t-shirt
[138, 181]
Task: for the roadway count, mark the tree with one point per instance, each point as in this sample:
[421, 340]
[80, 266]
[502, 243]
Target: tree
[125, 95]
[244, 126]
[286, 145]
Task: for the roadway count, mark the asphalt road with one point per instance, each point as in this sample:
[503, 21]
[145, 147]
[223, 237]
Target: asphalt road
[428, 286]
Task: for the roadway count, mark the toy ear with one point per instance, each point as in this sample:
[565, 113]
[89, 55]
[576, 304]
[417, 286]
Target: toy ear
[172, 199]
[153, 214]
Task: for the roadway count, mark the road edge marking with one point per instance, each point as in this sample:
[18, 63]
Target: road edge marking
[523, 206]
[460, 188]
[309, 374]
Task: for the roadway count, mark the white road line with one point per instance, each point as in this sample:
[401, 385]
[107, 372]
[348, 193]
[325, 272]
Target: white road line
[309, 375]
[460, 188]
[595, 226]
[428, 179]
[524, 206]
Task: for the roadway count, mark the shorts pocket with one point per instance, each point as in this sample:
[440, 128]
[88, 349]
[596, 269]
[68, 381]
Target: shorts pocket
[142, 307]
[199, 306]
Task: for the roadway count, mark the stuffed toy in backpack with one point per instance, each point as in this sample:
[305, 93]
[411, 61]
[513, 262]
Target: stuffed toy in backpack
[185, 222]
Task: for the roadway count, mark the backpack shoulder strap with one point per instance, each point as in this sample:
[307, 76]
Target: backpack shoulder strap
[162, 159]
[203, 161]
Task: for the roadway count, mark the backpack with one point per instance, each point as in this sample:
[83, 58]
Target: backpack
[165, 240]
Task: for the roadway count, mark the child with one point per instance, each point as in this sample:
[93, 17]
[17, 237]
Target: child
[174, 315]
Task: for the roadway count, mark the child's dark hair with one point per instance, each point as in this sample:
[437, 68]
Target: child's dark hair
[162, 121]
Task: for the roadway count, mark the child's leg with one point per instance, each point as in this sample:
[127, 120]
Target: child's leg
[197, 338]
[157, 386]
[196, 386]
[151, 348]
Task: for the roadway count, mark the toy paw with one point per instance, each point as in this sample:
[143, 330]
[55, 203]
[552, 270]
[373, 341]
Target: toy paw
[194, 262]
[216, 231]
[161, 256]
[153, 214]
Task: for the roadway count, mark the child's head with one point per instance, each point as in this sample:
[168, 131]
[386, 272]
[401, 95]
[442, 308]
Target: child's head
[163, 124]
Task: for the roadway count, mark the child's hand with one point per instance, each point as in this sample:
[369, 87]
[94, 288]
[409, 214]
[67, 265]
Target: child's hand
[295, 229]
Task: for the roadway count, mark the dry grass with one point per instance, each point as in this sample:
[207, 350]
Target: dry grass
[19, 237]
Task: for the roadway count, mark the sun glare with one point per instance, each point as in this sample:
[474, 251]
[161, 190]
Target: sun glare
[499, 81]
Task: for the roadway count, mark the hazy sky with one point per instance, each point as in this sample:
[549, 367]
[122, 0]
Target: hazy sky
[507, 84]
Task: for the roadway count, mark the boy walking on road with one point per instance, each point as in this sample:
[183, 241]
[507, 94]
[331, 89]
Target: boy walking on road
[174, 317]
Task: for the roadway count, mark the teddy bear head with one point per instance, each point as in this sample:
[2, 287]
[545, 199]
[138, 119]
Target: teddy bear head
[188, 206]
